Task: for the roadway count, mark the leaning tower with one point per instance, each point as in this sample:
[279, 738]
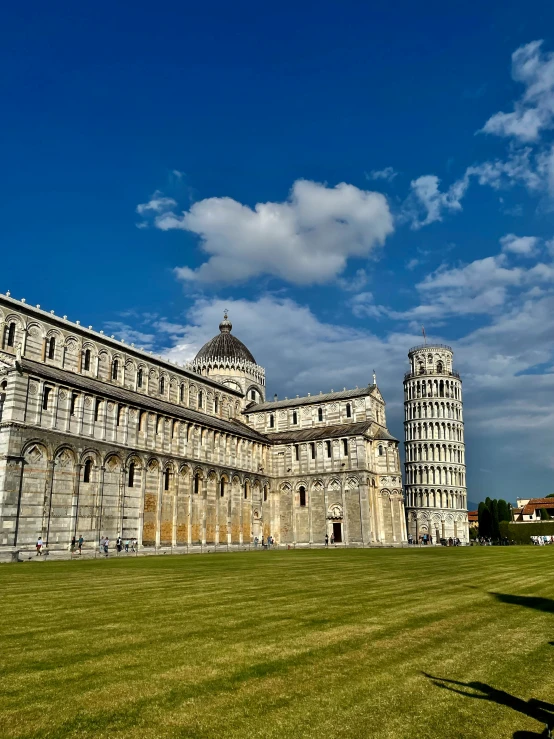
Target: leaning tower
[435, 485]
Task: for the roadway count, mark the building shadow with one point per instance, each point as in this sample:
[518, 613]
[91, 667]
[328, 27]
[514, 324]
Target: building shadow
[535, 709]
[527, 601]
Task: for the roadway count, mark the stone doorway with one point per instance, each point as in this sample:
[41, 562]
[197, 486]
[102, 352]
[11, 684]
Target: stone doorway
[337, 532]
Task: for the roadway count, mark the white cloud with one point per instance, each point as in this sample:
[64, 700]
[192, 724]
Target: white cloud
[157, 204]
[427, 197]
[534, 112]
[388, 174]
[355, 282]
[306, 239]
[177, 173]
[522, 245]
[363, 306]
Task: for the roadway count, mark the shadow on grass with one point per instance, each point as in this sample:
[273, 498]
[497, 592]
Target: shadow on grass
[536, 709]
[527, 601]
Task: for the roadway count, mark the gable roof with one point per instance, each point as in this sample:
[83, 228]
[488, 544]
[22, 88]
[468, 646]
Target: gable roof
[271, 405]
[535, 503]
[317, 433]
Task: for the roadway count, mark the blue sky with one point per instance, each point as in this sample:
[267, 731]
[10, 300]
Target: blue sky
[401, 158]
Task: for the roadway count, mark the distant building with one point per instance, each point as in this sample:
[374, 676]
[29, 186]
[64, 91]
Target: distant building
[473, 519]
[529, 509]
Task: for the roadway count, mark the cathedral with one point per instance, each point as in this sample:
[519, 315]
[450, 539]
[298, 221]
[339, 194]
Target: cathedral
[100, 438]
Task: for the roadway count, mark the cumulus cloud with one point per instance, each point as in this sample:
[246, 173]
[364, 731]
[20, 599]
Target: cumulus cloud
[306, 239]
[522, 245]
[534, 111]
[486, 287]
[427, 200]
[387, 174]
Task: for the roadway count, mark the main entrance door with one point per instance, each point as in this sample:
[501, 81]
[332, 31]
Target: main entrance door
[337, 532]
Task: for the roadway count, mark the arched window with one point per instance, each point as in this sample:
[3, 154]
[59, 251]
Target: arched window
[200, 399]
[272, 421]
[345, 446]
[440, 368]
[166, 479]
[97, 405]
[348, 410]
[196, 483]
[320, 414]
[380, 450]
[139, 377]
[86, 365]
[52, 348]
[115, 369]
[216, 405]
[312, 449]
[181, 393]
[131, 480]
[265, 492]
[11, 335]
[222, 487]
[162, 385]
[302, 495]
[88, 470]
[119, 415]
[245, 491]
[294, 417]
[328, 445]
[253, 394]
[142, 417]
[441, 388]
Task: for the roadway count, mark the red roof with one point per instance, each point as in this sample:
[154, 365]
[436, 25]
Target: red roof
[535, 503]
[472, 516]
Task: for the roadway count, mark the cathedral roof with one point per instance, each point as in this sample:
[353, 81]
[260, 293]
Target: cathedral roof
[271, 405]
[225, 345]
[330, 432]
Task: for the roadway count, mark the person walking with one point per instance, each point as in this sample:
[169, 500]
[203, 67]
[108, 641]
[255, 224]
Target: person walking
[39, 547]
[332, 539]
[118, 544]
[127, 546]
[80, 544]
[134, 544]
[73, 545]
[326, 540]
[106, 545]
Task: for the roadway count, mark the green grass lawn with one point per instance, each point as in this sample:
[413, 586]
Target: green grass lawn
[350, 643]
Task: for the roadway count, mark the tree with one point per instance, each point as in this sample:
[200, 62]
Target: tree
[504, 512]
[495, 520]
[485, 520]
[545, 516]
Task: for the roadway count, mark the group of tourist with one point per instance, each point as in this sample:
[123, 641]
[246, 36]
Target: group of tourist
[424, 539]
[129, 545]
[540, 541]
[266, 543]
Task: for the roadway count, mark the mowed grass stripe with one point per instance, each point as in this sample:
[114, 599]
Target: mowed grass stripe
[264, 643]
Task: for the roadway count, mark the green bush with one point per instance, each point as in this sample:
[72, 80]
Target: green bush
[521, 533]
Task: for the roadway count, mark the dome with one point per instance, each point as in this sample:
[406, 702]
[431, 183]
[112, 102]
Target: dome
[225, 345]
